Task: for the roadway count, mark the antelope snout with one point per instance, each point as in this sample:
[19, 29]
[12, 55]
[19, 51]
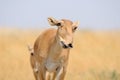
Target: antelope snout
[66, 45]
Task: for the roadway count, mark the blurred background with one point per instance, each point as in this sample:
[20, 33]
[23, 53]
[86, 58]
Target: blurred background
[93, 14]
[96, 55]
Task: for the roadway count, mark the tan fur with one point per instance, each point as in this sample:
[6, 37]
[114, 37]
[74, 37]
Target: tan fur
[50, 59]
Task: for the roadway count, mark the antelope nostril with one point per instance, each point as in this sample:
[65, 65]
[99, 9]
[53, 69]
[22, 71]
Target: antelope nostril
[70, 45]
[64, 45]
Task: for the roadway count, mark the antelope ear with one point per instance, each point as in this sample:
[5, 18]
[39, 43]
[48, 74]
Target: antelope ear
[54, 22]
[75, 25]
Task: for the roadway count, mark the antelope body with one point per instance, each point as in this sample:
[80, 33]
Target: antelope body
[49, 58]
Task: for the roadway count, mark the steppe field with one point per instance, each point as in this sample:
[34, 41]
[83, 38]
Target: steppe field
[95, 56]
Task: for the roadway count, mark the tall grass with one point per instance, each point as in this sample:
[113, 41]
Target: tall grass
[95, 56]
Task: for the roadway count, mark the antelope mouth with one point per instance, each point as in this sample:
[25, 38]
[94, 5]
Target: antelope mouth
[66, 46]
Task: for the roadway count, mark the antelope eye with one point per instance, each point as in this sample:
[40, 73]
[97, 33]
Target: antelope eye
[58, 24]
[74, 28]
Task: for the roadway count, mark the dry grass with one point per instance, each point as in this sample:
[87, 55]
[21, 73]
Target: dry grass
[96, 55]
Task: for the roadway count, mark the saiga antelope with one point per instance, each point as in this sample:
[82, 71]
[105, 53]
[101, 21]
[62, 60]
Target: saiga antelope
[49, 58]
